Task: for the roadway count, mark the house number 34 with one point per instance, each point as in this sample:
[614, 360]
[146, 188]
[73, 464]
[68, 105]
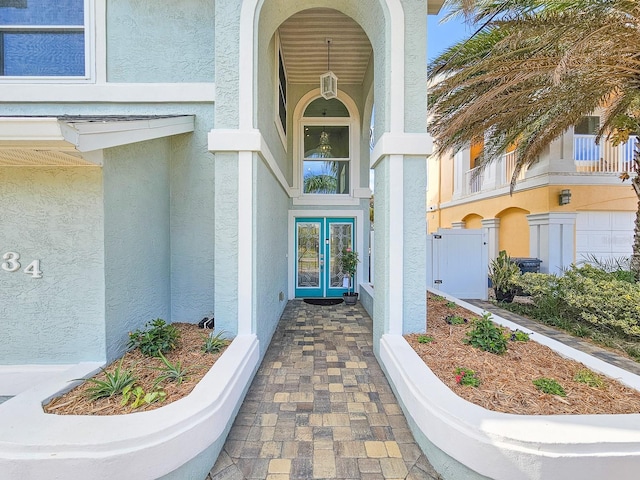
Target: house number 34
[12, 264]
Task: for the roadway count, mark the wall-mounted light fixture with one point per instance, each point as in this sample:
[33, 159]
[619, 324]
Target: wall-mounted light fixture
[565, 197]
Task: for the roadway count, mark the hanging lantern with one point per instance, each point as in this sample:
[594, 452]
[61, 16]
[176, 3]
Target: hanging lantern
[328, 81]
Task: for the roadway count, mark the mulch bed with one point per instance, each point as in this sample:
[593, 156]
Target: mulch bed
[189, 352]
[506, 380]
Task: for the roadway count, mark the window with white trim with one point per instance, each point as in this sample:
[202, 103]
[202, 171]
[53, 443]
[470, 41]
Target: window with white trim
[326, 155]
[43, 38]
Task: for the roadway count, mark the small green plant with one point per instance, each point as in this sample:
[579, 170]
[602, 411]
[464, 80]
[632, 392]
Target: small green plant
[158, 337]
[438, 298]
[487, 336]
[425, 339]
[451, 305]
[550, 386]
[140, 397]
[519, 336]
[455, 320]
[589, 378]
[465, 376]
[504, 275]
[113, 384]
[214, 343]
[171, 372]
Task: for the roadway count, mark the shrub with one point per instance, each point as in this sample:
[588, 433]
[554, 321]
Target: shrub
[550, 386]
[113, 384]
[425, 339]
[159, 337]
[589, 378]
[519, 336]
[504, 274]
[487, 336]
[455, 320]
[465, 376]
[214, 343]
[171, 372]
[589, 295]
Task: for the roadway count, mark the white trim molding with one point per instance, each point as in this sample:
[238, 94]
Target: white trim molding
[108, 93]
[418, 144]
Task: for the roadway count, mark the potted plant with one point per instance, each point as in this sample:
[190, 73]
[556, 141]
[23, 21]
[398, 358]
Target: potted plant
[504, 274]
[349, 264]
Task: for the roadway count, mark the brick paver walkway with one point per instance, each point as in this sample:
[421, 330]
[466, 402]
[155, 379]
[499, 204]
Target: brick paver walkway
[320, 407]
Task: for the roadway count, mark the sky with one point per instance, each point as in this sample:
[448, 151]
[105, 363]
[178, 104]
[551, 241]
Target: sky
[443, 35]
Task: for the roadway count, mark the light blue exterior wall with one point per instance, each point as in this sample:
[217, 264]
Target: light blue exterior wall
[167, 41]
[271, 254]
[414, 267]
[192, 220]
[104, 275]
[137, 239]
[54, 215]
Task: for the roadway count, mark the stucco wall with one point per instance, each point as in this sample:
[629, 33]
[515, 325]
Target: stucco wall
[192, 221]
[415, 247]
[53, 215]
[271, 254]
[415, 55]
[137, 245]
[167, 41]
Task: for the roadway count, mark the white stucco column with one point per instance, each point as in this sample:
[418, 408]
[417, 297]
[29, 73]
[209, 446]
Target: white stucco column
[552, 240]
[458, 225]
[491, 227]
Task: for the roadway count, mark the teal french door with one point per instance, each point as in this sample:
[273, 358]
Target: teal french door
[319, 244]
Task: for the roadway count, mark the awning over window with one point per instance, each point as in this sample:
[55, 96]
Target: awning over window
[77, 140]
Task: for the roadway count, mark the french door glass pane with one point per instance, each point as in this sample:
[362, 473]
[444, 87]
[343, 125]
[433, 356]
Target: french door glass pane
[308, 254]
[339, 240]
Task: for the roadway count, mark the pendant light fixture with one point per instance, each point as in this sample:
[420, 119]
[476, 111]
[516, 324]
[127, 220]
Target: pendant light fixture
[328, 81]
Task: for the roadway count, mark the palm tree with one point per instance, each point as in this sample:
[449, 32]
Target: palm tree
[534, 68]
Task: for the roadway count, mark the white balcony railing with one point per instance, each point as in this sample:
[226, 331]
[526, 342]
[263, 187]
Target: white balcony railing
[488, 180]
[604, 157]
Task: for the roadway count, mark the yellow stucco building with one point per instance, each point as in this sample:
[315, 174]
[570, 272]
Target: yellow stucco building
[595, 216]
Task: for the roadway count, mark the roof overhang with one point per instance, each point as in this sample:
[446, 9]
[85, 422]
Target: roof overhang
[71, 141]
[434, 6]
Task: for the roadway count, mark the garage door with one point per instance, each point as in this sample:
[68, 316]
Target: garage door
[604, 234]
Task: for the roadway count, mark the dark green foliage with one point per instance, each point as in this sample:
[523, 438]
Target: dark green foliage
[451, 305]
[487, 336]
[550, 386]
[159, 337]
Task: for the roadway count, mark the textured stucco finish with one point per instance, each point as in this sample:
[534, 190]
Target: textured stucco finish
[227, 48]
[271, 254]
[137, 243]
[159, 205]
[168, 41]
[415, 244]
[54, 215]
[226, 242]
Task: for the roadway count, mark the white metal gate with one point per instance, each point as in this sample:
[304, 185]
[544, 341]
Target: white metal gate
[458, 262]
